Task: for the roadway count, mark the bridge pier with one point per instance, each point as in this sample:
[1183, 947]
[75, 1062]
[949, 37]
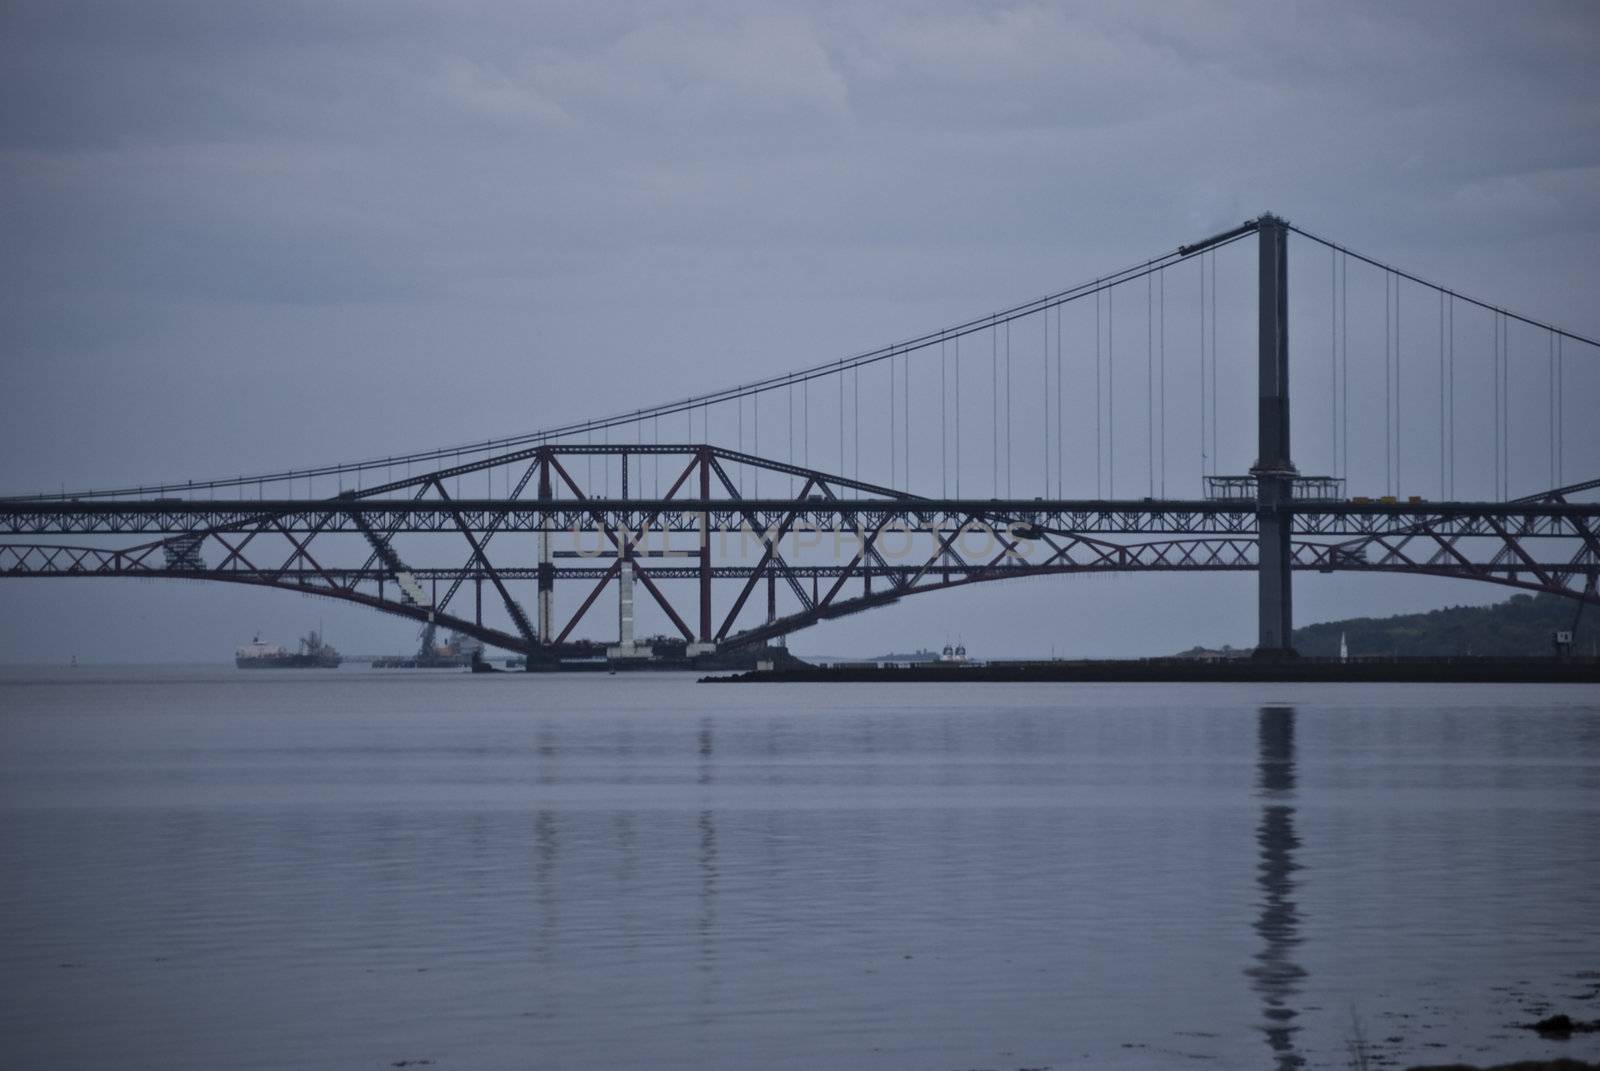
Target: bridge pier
[547, 567]
[1273, 470]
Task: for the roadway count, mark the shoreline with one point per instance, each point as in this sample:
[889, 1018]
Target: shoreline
[1183, 670]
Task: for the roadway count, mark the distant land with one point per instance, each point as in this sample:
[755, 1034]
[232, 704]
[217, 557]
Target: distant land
[1520, 626]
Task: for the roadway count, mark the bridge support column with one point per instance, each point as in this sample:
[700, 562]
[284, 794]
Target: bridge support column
[705, 550]
[1273, 470]
[772, 598]
[547, 569]
[625, 604]
[704, 644]
[627, 647]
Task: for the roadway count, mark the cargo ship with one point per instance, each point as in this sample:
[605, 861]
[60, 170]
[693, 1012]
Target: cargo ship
[313, 654]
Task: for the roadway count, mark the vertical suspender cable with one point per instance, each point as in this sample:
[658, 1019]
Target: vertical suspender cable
[1399, 423]
[1494, 320]
[1061, 449]
[957, 356]
[1388, 399]
[1450, 356]
[1333, 361]
[1111, 392]
[944, 458]
[1561, 411]
[1008, 408]
[893, 426]
[1150, 383]
[1505, 401]
[994, 408]
[1044, 314]
[1504, 490]
[1344, 362]
[1505, 406]
[1214, 428]
[905, 374]
[1163, 382]
[1203, 444]
[1552, 341]
[1099, 487]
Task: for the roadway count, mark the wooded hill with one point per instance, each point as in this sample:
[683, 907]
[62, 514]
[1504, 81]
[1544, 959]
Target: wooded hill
[1522, 625]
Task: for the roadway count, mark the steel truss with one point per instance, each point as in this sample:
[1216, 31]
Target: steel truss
[890, 543]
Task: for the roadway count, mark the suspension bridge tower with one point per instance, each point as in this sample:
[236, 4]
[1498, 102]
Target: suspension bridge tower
[1273, 470]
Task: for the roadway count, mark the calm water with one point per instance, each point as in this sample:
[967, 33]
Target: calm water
[351, 869]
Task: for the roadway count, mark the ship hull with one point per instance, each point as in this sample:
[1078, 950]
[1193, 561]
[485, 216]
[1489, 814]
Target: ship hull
[288, 661]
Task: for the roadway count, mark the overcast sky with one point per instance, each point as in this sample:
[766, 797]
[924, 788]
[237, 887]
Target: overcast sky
[252, 237]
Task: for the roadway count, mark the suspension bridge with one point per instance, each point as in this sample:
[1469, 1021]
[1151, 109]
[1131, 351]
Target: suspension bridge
[1040, 440]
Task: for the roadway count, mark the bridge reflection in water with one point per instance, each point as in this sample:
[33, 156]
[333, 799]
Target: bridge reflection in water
[1274, 975]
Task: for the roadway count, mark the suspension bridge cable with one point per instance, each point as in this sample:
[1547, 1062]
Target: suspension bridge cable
[1561, 415]
[1333, 362]
[1441, 399]
[561, 433]
[994, 408]
[1485, 305]
[1399, 424]
[944, 468]
[1045, 423]
[1111, 393]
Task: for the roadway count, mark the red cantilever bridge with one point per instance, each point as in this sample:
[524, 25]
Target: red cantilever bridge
[517, 542]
